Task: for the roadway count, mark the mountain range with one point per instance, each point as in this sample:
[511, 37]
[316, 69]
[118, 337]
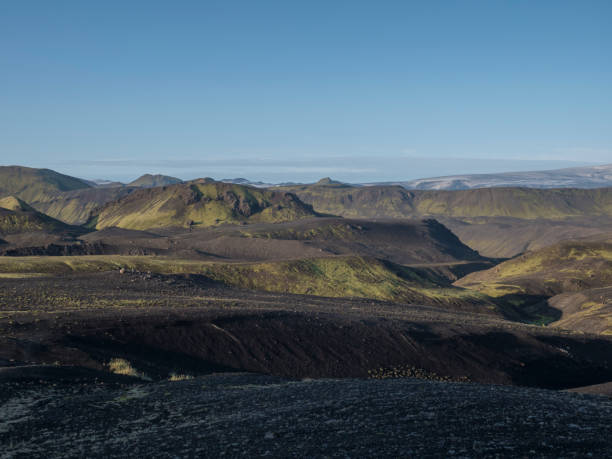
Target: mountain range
[574, 177]
[327, 238]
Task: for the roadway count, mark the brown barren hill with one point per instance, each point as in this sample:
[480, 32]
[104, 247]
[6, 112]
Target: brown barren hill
[507, 237]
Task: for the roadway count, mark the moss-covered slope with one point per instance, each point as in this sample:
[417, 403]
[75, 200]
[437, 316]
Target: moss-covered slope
[35, 184]
[18, 217]
[75, 207]
[152, 181]
[589, 310]
[397, 202]
[563, 267]
[331, 277]
[200, 204]
[537, 281]
[351, 277]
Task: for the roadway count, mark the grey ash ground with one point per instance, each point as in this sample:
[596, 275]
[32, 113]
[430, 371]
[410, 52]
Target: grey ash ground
[246, 415]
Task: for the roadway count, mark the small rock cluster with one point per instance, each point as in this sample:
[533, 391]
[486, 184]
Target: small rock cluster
[143, 275]
[405, 371]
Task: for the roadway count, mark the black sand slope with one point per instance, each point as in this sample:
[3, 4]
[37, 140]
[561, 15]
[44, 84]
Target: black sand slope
[169, 324]
[235, 415]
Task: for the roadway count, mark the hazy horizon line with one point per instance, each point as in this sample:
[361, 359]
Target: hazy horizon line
[268, 170]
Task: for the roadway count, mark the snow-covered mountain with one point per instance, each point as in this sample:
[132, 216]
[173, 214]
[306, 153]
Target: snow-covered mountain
[575, 177]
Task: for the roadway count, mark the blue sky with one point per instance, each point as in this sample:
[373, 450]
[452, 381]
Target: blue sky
[296, 90]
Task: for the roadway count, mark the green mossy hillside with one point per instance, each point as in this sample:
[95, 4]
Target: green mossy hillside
[14, 204]
[352, 277]
[18, 217]
[335, 230]
[537, 282]
[33, 185]
[152, 181]
[588, 310]
[397, 202]
[200, 204]
[75, 207]
[331, 277]
[563, 267]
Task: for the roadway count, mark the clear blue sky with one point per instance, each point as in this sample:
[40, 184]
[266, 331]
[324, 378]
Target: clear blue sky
[294, 90]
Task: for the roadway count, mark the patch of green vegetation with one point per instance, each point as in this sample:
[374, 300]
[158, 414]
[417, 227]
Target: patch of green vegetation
[179, 377]
[21, 275]
[591, 306]
[497, 290]
[582, 252]
[324, 232]
[521, 266]
[121, 366]
[96, 263]
[13, 222]
[543, 320]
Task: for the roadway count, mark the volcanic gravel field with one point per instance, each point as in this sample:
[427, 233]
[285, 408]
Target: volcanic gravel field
[245, 415]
